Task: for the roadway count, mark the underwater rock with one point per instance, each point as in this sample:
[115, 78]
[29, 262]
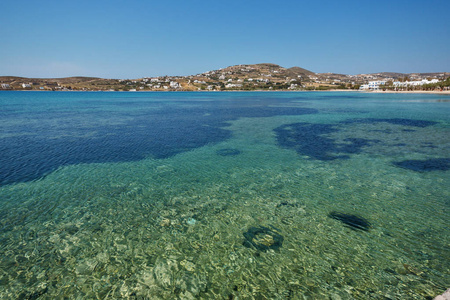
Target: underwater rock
[228, 152]
[189, 266]
[86, 267]
[165, 223]
[191, 221]
[262, 238]
[35, 295]
[444, 296]
[163, 272]
[351, 221]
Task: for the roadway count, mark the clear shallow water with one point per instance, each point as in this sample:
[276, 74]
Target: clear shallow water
[224, 195]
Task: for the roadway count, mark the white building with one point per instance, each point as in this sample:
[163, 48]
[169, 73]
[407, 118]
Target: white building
[372, 85]
[200, 81]
[174, 85]
[233, 85]
[414, 83]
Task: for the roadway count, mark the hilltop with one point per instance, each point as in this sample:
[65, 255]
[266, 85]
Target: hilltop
[264, 76]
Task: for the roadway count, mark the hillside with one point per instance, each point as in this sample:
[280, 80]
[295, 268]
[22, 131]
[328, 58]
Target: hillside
[263, 76]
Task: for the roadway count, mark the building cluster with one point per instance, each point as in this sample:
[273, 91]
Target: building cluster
[380, 84]
[239, 77]
[414, 83]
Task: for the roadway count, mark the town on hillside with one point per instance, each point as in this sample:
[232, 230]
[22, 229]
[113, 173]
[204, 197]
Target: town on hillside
[264, 77]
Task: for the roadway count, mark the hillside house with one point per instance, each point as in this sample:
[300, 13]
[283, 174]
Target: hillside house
[174, 85]
[233, 85]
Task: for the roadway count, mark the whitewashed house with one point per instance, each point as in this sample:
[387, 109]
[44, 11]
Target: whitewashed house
[233, 85]
[372, 85]
[174, 85]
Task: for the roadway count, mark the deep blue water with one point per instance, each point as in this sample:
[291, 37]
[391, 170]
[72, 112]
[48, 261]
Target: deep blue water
[44, 131]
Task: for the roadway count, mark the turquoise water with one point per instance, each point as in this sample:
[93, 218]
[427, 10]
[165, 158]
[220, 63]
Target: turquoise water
[299, 195]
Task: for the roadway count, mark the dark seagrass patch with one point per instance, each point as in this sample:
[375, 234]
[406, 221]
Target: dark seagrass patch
[351, 221]
[228, 152]
[427, 165]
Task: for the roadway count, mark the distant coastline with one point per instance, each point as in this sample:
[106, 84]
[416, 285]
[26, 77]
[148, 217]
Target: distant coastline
[446, 92]
[257, 77]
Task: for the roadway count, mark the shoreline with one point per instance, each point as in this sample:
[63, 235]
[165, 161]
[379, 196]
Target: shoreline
[410, 92]
[269, 91]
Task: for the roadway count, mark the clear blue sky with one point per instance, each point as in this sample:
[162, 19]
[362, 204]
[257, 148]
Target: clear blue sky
[132, 39]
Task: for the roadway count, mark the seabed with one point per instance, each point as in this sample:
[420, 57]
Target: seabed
[360, 213]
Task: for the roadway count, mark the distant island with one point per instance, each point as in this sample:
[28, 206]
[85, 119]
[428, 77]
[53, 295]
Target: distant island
[263, 77]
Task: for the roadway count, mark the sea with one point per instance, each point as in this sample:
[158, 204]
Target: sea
[224, 195]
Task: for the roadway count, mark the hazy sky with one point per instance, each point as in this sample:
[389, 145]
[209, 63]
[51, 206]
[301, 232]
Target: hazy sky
[132, 39]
